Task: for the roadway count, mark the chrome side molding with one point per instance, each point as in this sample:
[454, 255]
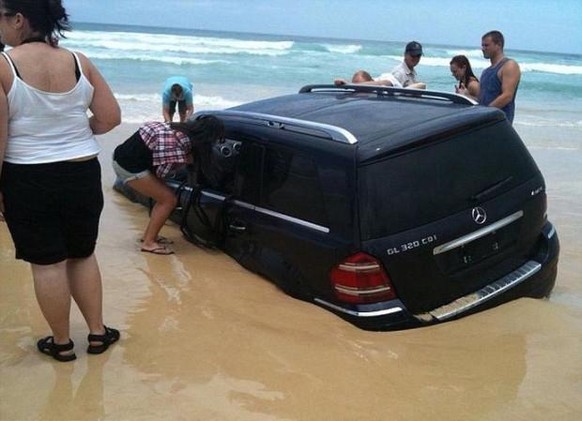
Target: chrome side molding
[269, 212]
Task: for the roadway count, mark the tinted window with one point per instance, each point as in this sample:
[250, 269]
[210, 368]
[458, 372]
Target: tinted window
[291, 185]
[248, 177]
[428, 183]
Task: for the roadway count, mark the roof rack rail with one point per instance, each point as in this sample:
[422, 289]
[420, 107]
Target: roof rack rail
[390, 91]
[322, 130]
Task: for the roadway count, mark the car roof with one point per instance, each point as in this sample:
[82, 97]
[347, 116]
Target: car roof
[381, 119]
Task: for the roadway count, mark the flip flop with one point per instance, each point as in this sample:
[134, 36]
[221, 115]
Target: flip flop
[161, 240]
[159, 250]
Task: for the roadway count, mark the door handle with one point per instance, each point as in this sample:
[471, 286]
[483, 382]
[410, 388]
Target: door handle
[237, 226]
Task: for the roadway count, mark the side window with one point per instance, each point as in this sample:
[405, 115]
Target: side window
[291, 185]
[249, 174]
[216, 171]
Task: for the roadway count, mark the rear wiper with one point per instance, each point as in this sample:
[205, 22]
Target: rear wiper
[480, 197]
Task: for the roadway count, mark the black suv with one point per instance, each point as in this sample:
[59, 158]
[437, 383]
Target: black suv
[393, 208]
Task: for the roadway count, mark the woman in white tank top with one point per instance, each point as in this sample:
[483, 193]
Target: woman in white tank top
[50, 185]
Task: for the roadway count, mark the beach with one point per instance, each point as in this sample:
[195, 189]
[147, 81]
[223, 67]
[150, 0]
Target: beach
[202, 338]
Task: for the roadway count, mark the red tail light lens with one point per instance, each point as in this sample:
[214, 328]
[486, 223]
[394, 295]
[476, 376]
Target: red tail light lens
[361, 279]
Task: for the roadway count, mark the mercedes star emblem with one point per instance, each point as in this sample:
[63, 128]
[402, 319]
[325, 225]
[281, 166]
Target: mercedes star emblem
[479, 215]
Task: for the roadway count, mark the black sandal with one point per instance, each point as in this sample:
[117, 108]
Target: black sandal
[109, 337]
[49, 347]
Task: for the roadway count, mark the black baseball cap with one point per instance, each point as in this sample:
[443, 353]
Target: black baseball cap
[413, 48]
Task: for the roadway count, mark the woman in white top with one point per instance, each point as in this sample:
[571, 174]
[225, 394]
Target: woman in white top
[50, 179]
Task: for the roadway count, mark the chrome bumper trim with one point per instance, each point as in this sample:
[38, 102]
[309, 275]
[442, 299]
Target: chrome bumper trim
[374, 313]
[552, 232]
[469, 301]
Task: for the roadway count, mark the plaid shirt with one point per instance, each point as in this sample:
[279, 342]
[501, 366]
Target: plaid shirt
[168, 147]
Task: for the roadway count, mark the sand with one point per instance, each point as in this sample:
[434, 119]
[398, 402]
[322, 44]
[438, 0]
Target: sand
[204, 339]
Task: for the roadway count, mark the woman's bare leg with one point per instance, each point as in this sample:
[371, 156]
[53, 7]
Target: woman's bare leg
[166, 201]
[86, 289]
[52, 291]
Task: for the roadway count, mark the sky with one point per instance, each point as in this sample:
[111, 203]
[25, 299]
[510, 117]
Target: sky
[534, 25]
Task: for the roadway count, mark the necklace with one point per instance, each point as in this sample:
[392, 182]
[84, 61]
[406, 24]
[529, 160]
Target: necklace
[33, 39]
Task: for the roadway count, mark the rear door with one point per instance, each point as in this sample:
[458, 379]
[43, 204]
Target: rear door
[453, 216]
[277, 222]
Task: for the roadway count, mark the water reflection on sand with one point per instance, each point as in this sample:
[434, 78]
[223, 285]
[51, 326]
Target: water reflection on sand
[205, 339]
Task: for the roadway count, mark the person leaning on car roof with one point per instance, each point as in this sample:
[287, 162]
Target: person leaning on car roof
[404, 72]
[403, 75]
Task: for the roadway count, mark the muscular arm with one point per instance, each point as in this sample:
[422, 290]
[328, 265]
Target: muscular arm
[510, 74]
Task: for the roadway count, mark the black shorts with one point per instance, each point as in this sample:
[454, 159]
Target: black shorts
[181, 106]
[53, 210]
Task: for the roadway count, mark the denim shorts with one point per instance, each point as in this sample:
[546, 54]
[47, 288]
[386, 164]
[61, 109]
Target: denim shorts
[126, 176]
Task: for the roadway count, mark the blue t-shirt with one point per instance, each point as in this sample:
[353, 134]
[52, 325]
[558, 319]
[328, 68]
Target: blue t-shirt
[186, 90]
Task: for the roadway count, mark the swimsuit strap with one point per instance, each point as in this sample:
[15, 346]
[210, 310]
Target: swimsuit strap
[12, 65]
[77, 66]
[17, 74]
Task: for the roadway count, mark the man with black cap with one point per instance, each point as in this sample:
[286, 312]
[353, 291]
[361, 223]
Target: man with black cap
[405, 72]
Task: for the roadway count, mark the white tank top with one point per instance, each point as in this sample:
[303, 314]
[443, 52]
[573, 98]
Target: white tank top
[46, 126]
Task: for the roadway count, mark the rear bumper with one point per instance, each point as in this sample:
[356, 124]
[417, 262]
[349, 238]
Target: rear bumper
[535, 278]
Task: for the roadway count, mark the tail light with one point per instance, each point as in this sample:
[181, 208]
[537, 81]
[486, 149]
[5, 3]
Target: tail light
[360, 279]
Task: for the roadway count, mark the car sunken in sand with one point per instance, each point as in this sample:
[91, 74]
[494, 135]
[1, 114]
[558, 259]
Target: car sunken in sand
[393, 208]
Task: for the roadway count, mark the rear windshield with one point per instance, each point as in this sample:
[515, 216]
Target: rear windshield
[427, 183]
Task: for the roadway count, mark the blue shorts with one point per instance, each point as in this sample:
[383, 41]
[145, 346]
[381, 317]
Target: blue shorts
[52, 210]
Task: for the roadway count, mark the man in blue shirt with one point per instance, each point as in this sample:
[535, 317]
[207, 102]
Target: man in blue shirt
[177, 90]
[499, 82]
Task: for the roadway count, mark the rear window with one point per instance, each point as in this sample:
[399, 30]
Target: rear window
[430, 182]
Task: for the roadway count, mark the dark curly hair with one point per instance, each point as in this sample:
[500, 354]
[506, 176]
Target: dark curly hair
[48, 18]
[203, 131]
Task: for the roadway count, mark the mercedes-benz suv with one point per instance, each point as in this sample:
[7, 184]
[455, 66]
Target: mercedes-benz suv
[392, 208]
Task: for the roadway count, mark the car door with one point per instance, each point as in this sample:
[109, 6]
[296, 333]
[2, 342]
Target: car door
[276, 222]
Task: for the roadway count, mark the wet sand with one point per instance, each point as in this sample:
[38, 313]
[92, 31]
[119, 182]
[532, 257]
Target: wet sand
[204, 339]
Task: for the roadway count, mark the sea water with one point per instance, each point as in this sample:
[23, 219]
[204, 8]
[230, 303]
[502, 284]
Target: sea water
[230, 68]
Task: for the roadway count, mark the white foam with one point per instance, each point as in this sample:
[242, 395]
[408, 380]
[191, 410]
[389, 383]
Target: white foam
[139, 108]
[561, 69]
[343, 49]
[131, 42]
[469, 53]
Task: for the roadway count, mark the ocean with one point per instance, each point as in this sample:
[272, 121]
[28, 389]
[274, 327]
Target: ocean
[230, 68]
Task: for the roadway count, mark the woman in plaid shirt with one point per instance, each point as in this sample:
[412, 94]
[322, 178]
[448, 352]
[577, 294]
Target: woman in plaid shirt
[143, 160]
